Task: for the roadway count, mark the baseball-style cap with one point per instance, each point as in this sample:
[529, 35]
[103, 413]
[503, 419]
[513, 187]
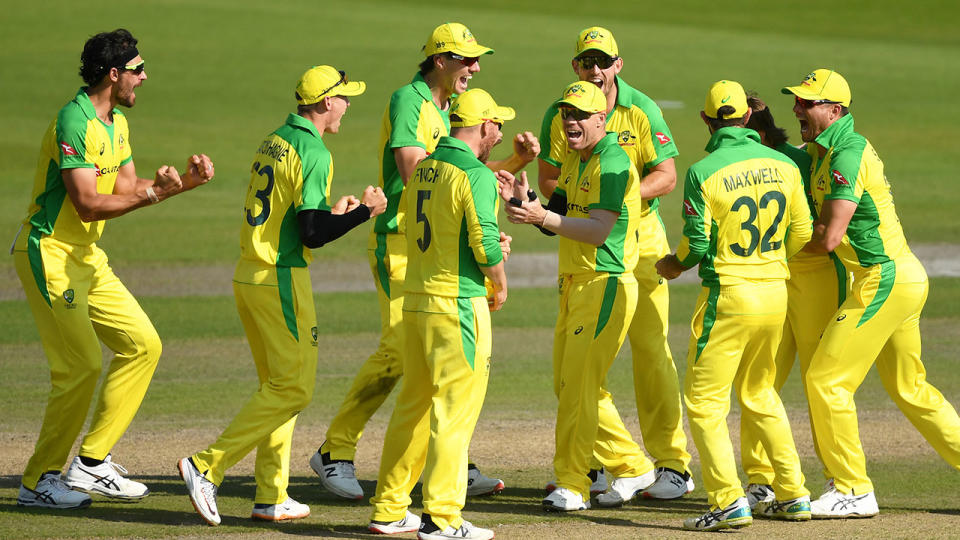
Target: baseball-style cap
[319, 82]
[598, 39]
[822, 84]
[456, 38]
[475, 107]
[726, 93]
[584, 96]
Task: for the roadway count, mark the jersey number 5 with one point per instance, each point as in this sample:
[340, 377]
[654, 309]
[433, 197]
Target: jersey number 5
[749, 225]
[423, 242]
[263, 195]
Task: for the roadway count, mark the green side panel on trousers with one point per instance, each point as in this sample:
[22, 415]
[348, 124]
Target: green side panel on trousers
[468, 333]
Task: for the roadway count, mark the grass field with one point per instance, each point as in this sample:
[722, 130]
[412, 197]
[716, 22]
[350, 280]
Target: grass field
[221, 76]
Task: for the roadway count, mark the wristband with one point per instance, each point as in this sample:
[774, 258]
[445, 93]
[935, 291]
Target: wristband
[152, 195]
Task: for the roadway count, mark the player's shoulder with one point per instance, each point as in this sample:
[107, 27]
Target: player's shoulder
[72, 115]
[407, 95]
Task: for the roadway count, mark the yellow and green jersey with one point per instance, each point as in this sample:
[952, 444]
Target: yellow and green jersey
[411, 119]
[851, 170]
[291, 171]
[451, 224]
[744, 210]
[607, 181]
[76, 139]
[635, 119]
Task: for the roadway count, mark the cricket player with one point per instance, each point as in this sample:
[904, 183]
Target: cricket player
[413, 123]
[879, 319]
[816, 288]
[595, 209]
[645, 137]
[287, 212]
[85, 176]
[452, 203]
[744, 214]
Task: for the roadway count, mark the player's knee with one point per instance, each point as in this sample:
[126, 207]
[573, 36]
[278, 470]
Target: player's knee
[148, 345]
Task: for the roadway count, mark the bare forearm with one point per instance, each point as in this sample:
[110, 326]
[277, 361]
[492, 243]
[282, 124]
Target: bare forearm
[656, 184]
[512, 164]
[586, 230]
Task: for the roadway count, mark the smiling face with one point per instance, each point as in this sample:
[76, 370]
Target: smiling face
[129, 78]
[814, 117]
[337, 106]
[589, 67]
[457, 72]
[582, 129]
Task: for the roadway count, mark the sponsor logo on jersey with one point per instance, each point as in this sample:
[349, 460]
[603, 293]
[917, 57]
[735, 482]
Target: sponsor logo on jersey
[578, 330]
[842, 317]
[436, 133]
[838, 178]
[67, 149]
[105, 170]
[662, 138]
[313, 334]
[103, 148]
[688, 209]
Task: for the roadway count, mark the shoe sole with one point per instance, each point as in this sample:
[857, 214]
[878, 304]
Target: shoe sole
[193, 502]
[333, 489]
[496, 489]
[37, 504]
[845, 516]
[375, 530]
[286, 517]
[552, 508]
[94, 489]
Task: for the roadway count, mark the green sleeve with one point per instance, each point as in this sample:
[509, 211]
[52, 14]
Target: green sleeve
[614, 174]
[695, 242]
[483, 231]
[404, 119]
[551, 149]
[845, 170]
[660, 136]
[317, 166]
[72, 139]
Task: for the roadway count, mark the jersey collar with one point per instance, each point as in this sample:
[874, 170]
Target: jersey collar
[83, 99]
[420, 85]
[300, 122]
[624, 92]
[731, 136]
[609, 139]
[455, 143]
[835, 132]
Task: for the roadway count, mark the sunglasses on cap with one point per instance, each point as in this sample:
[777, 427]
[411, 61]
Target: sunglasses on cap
[587, 62]
[136, 69]
[575, 113]
[465, 60]
[343, 80]
[807, 103]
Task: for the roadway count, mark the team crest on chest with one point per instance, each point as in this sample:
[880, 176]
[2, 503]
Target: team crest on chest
[625, 138]
[68, 297]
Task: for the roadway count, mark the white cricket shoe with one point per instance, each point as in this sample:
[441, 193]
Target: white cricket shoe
[564, 500]
[625, 488]
[104, 479]
[735, 516]
[834, 504]
[598, 483]
[52, 492]
[203, 493]
[791, 510]
[430, 531]
[288, 509]
[409, 523]
[478, 484]
[759, 493]
[669, 485]
[337, 476]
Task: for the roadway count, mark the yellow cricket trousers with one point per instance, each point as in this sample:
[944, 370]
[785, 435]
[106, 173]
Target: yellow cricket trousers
[281, 326]
[594, 314]
[879, 321]
[78, 302]
[736, 329]
[379, 374]
[655, 381]
[446, 369]
[816, 288]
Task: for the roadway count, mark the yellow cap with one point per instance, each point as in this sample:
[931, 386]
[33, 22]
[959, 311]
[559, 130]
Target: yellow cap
[455, 38]
[822, 84]
[475, 107]
[599, 39]
[326, 81]
[585, 96]
[726, 93]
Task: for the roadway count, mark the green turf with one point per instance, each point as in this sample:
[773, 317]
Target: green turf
[222, 73]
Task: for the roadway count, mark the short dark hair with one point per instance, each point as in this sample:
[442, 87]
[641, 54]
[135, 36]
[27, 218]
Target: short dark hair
[721, 122]
[104, 51]
[762, 120]
[427, 65]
